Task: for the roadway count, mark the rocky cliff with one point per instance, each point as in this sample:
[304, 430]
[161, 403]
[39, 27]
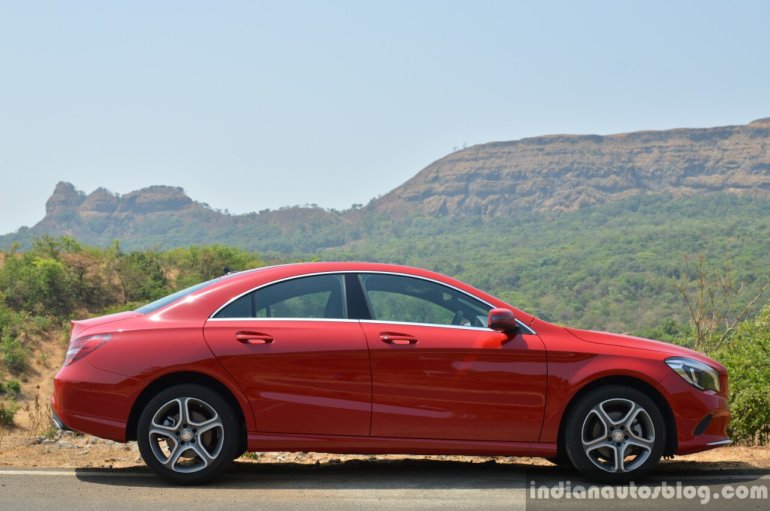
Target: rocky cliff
[566, 172]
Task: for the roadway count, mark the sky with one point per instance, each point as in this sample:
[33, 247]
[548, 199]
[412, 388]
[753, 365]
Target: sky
[253, 105]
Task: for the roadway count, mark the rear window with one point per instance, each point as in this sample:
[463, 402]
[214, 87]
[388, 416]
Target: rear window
[315, 296]
[162, 302]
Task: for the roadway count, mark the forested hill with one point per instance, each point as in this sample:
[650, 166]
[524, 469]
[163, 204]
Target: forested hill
[499, 180]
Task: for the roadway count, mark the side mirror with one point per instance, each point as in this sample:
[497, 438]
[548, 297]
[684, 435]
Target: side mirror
[502, 320]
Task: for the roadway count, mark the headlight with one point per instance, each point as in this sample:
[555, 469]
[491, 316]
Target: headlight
[697, 374]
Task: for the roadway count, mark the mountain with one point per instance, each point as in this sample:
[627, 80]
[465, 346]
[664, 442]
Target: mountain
[164, 216]
[567, 172]
[499, 180]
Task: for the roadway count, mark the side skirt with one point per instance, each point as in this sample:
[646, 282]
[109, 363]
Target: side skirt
[266, 442]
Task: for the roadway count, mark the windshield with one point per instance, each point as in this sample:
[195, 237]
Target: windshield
[157, 304]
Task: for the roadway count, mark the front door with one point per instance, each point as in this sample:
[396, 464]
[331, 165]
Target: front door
[438, 372]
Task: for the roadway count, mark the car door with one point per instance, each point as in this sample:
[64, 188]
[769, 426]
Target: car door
[303, 365]
[438, 372]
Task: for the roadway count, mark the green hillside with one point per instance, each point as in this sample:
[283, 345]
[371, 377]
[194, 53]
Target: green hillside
[613, 266]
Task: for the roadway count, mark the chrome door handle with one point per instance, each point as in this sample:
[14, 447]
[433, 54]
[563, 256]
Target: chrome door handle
[395, 338]
[253, 338]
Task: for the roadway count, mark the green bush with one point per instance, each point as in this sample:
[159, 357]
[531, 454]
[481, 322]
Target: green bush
[142, 276]
[745, 358]
[201, 263]
[13, 387]
[14, 355]
[7, 413]
[38, 285]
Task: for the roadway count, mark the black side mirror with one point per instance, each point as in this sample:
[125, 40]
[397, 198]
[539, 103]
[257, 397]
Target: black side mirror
[502, 320]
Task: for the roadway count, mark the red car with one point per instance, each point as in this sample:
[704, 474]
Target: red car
[376, 358]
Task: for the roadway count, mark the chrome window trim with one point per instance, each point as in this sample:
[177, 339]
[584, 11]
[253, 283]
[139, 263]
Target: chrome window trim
[438, 325]
[370, 321]
[343, 320]
[212, 317]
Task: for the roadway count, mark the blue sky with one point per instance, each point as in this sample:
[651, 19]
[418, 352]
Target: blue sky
[253, 105]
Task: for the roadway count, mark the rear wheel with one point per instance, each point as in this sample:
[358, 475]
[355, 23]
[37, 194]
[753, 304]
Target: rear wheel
[188, 434]
[615, 434]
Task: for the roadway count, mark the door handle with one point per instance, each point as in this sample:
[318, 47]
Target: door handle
[395, 338]
[253, 338]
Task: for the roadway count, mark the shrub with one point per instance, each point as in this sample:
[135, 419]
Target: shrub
[14, 355]
[13, 387]
[7, 413]
[142, 276]
[200, 263]
[745, 358]
[37, 285]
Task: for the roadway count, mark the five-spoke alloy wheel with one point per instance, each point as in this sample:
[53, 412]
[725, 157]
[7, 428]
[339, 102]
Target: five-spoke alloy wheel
[188, 434]
[615, 434]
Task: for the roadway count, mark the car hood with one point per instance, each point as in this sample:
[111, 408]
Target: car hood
[80, 326]
[629, 341]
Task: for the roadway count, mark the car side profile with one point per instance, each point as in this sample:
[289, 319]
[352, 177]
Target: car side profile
[376, 358]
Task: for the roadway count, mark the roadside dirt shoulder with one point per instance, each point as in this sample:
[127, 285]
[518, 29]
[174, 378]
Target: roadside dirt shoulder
[70, 450]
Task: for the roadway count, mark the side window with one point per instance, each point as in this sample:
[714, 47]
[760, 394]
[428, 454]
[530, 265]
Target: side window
[243, 307]
[318, 296]
[413, 300]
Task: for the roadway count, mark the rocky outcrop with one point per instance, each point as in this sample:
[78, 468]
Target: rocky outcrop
[101, 202]
[164, 216]
[156, 198]
[566, 172]
[64, 201]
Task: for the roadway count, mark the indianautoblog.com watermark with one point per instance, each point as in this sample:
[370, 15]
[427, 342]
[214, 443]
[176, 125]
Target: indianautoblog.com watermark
[632, 491]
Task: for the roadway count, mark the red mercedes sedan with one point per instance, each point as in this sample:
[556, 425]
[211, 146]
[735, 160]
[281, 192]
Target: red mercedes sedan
[376, 358]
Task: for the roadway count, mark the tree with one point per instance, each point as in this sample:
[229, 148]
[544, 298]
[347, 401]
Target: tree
[716, 303]
[142, 276]
[40, 285]
[201, 263]
[749, 379]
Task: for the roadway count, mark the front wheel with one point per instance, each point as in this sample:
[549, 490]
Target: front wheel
[615, 434]
[188, 434]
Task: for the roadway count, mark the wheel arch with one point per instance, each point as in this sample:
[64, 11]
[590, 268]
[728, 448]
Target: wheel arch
[185, 377]
[628, 381]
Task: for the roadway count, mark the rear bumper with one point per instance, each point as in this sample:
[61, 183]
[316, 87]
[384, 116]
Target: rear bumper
[92, 401]
[57, 420]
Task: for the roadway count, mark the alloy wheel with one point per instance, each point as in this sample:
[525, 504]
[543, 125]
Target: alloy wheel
[186, 435]
[618, 435]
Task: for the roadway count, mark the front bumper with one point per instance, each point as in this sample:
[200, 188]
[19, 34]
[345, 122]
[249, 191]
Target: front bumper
[701, 417]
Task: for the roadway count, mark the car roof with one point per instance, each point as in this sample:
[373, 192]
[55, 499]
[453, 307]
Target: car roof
[203, 303]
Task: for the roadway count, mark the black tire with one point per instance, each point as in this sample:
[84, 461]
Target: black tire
[190, 447]
[622, 444]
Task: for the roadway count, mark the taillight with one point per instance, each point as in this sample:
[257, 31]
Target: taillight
[82, 346]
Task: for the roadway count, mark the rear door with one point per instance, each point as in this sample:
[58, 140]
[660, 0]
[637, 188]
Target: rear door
[303, 365]
[438, 372]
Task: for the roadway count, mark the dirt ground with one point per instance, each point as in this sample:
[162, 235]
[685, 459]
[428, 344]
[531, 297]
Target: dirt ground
[70, 450]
